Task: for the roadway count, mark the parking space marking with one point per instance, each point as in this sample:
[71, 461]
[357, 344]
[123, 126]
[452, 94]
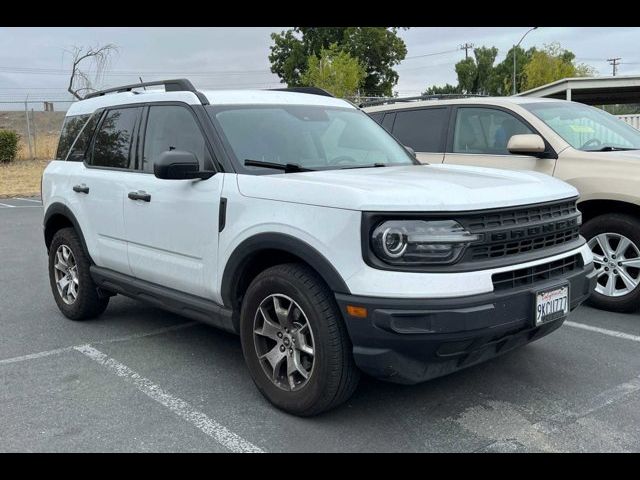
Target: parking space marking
[56, 351]
[209, 427]
[29, 200]
[7, 205]
[604, 331]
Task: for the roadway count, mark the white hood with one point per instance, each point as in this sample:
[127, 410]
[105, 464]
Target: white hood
[408, 188]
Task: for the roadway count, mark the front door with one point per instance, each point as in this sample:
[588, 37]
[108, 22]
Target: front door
[480, 138]
[172, 225]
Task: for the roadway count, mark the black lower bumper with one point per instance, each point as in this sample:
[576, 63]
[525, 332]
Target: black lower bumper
[412, 340]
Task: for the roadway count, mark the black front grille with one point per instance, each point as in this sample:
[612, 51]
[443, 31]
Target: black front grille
[521, 230]
[533, 275]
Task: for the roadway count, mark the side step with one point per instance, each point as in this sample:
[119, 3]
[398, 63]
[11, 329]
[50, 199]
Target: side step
[174, 301]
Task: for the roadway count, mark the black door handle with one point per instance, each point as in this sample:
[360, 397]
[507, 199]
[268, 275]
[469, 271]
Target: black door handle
[145, 197]
[81, 188]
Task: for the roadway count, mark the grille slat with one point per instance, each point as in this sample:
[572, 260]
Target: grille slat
[522, 230]
[539, 273]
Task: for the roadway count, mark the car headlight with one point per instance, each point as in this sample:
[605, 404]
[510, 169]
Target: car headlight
[419, 242]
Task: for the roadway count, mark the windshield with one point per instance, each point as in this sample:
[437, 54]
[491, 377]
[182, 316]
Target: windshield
[312, 137]
[586, 128]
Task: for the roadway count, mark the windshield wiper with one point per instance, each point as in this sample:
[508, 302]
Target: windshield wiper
[287, 167]
[610, 148]
[372, 165]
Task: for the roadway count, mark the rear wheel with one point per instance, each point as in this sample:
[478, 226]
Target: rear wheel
[294, 342]
[614, 240]
[71, 283]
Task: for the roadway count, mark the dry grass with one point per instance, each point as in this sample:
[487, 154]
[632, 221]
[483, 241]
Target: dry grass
[21, 178]
[44, 147]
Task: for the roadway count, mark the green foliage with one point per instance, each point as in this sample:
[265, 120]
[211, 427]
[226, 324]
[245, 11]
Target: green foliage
[551, 64]
[334, 70]
[8, 145]
[378, 49]
[443, 90]
[475, 74]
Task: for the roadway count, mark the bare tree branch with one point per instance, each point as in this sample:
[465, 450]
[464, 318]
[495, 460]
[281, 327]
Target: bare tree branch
[82, 77]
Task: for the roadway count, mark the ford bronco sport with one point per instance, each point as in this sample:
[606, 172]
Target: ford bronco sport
[294, 220]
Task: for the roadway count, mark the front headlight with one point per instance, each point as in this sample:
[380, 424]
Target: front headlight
[420, 242]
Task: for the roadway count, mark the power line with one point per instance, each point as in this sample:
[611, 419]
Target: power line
[466, 47]
[431, 54]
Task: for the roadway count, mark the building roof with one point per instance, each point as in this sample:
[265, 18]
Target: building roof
[591, 90]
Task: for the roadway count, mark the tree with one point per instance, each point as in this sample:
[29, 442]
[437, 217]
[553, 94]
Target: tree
[502, 83]
[378, 49]
[551, 64]
[475, 74]
[85, 57]
[443, 90]
[334, 70]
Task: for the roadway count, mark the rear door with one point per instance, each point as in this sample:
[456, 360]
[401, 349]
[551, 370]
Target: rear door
[98, 186]
[479, 137]
[172, 236]
[423, 129]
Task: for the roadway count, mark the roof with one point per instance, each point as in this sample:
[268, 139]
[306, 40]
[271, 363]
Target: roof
[591, 90]
[500, 101]
[215, 97]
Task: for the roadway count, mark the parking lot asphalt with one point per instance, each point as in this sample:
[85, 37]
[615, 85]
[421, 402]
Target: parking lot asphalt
[141, 379]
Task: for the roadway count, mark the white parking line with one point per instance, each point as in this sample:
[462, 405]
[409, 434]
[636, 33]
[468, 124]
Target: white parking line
[29, 199]
[221, 434]
[604, 331]
[7, 205]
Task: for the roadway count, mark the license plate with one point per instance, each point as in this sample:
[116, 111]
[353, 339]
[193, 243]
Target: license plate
[552, 304]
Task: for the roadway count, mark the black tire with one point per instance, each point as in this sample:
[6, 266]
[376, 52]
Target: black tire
[88, 303]
[622, 224]
[334, 376]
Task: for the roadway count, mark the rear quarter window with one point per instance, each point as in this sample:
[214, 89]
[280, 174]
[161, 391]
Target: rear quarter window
[75, 136]
[423, 130]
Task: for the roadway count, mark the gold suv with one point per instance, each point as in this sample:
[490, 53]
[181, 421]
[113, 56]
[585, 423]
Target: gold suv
[594, 151]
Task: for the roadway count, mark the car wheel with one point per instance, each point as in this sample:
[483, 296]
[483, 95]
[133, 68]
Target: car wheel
[614, 240]
[71, 283]
[294, 341]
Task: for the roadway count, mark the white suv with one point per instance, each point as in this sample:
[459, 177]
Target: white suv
[296, 221]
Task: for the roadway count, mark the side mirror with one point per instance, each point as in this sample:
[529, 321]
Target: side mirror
[411, 151]
[178, 165]
[526, 144]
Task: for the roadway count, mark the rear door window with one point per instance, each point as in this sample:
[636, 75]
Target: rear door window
[423, 129]
[71, 136]
[112, 146]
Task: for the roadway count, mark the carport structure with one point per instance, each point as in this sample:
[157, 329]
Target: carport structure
[591, 90]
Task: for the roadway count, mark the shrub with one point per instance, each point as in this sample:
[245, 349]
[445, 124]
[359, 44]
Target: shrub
[8, 145]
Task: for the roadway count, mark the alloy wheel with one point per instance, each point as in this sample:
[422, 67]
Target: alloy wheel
[66, 274]
[284, 342]
[617, 260]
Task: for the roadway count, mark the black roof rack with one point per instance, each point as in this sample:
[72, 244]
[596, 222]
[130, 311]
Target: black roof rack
[309, 90]
[443, 96]
[176, 85]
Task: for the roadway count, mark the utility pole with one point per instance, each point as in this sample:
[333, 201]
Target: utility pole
[466, 47]
[614, 62]
[515, 47]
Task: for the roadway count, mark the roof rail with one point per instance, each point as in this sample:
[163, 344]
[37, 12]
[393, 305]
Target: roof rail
[309, 90]
[176, 85]
[443, 96]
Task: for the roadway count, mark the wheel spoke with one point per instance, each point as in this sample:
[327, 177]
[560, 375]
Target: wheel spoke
[603, 241]
[281, 312]
[623, 244]
[626, 278]
[610, 287]
[61, 267]
[294, 365]
[275, 358]
[598, 258]
[269, 329]
[63, 284]
[632, 262]
[61, 260]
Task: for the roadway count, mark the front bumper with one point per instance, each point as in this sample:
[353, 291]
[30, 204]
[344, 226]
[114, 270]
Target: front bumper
[413, 340]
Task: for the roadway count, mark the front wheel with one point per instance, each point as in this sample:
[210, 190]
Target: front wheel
[295, 343]
[614, 240]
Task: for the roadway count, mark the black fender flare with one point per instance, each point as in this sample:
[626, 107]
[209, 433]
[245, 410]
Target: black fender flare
[277, 241]
[58, 208]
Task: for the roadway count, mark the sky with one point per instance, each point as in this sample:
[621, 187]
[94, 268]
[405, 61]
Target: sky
[35, 62]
